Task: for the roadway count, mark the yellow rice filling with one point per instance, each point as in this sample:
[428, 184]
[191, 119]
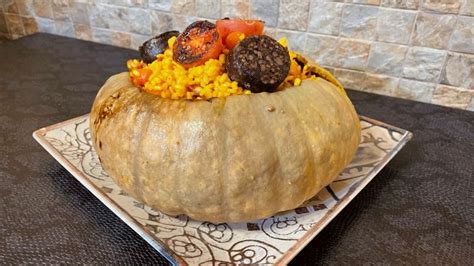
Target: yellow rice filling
[169, 79]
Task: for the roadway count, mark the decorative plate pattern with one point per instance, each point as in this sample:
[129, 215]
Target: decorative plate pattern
[182, 240]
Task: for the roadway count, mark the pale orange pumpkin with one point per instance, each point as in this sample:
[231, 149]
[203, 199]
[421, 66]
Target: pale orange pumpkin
[231, 159]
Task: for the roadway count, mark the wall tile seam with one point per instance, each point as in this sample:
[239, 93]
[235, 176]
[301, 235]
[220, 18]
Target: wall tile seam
[451, 33]
[278, 13]
[445, 60]
[22, 25]
[278, 26]
[409, 45]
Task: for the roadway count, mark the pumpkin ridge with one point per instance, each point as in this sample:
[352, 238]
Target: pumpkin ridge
[265, 127]
[137, 179]
[258, 111]
[178, 108]
[224, 167]
[309, 154]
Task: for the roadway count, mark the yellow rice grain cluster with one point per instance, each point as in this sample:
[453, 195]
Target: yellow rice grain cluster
[171, 80]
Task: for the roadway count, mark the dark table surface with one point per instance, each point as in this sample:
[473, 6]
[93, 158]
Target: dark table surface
[417, 210]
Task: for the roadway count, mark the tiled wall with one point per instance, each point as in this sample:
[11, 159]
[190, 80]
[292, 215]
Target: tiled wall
[415, 49]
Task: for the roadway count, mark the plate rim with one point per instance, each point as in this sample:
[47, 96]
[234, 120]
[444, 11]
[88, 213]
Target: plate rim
[171, 256]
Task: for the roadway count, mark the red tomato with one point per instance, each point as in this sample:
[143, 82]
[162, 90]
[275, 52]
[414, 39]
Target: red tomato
[247, 27]
[199, 42]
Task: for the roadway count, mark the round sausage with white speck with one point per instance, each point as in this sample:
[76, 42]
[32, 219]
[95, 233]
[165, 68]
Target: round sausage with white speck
[258, 63]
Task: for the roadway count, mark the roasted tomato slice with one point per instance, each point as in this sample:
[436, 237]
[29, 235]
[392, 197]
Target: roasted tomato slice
[198, 43]
[247, 27]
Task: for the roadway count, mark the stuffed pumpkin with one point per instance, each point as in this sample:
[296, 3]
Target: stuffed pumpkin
[227, 136]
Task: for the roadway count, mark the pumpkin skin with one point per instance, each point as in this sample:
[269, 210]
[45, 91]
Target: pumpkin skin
[239, 158]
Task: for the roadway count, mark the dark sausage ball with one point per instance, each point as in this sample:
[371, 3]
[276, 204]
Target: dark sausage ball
[155, 46]
[258, 63]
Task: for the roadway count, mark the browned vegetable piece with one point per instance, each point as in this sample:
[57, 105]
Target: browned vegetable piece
[155, 46]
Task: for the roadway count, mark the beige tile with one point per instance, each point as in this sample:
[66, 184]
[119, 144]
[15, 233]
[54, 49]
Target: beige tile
[14, 24]
[235, 9]
[395, 25]
[10, 6]
[351, 79]
[42, 8]
[163, 5]
[140, 21]
[29, 23]
[322, 49]
[109, 17]
[467, 8]
[462, 39]
[61, 9]
[161, 22]
[137, 40]
[101, 35]
[25, 7]
[386, 58]
[452, 96]
[367, 2]
[83, 32]
[266, 10]
[183, 7]
[380, 84]
[402, 4]
[414, 90]
[352, 54]
[296, 39]
[79, 13]
[64, 28]
[459, 70]
[208, 8]
[442, 6]
[293, 15]
[121, 39]
[325, 17]
[181, 22]
[433, 30]
[423, 64]
[359, 21]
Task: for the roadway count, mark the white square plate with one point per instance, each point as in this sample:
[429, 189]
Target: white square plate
[182, 240]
